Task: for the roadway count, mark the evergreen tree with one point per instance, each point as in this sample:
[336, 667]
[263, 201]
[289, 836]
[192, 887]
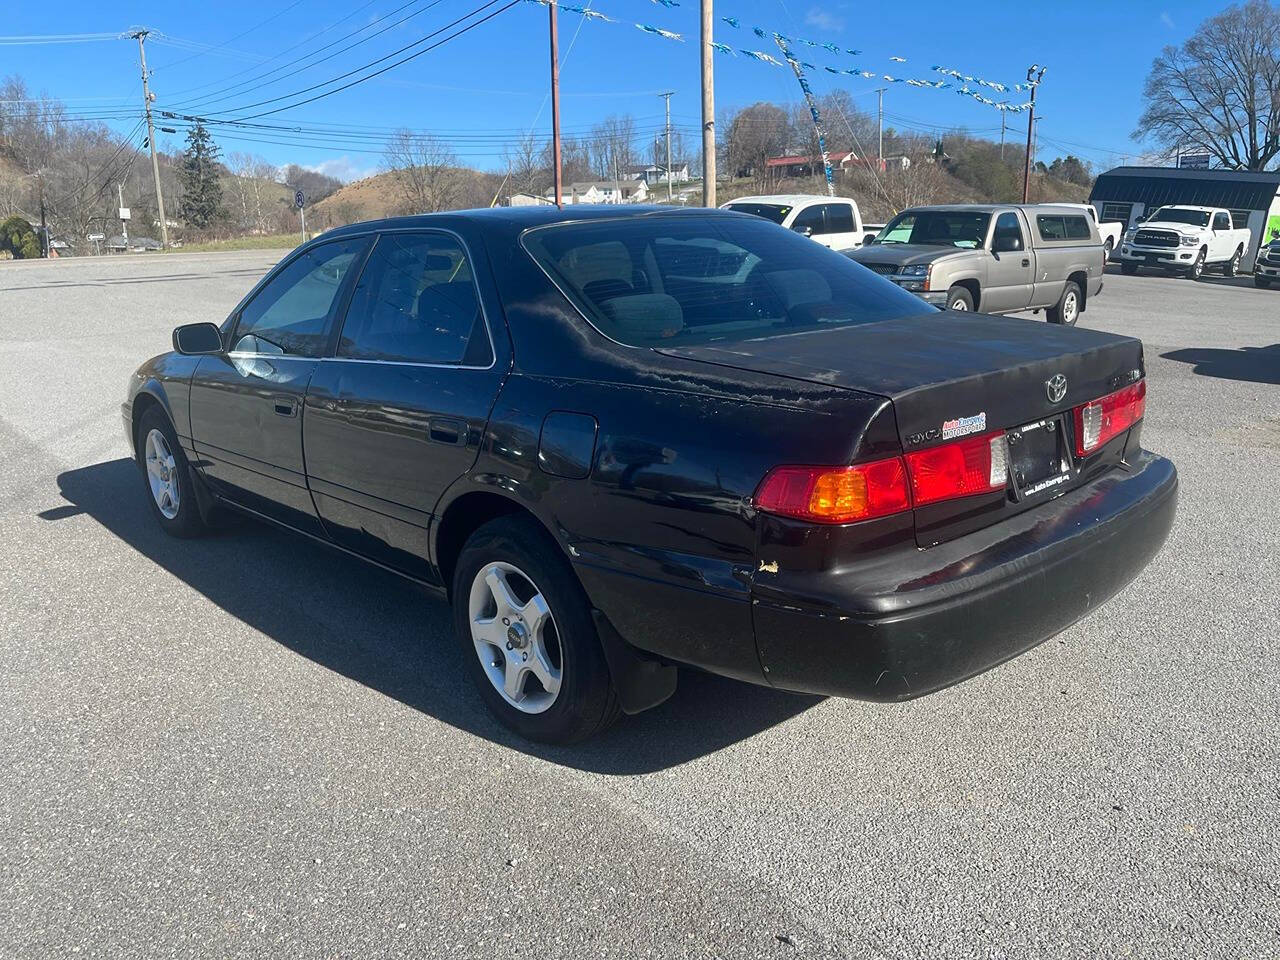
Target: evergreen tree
[199, 175]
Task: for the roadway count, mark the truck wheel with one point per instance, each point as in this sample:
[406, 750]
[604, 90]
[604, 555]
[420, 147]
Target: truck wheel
[1263, 282]
[1232, 267]
[959, 298]
[1067, 310]
[1128, 269]
[525, 630]
[1107, 249]
[1196, 270]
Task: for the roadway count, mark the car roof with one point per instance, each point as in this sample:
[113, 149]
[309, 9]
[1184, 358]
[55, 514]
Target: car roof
[1189, 206]
[789, 199]
[525, 217]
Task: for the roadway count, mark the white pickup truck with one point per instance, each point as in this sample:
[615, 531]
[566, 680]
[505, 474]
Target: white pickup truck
[1185, 240]
[834, 222]
[1110, 231]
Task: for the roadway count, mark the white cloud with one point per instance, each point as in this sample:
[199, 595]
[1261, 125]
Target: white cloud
[1166, 19]
[343, 167]
[820, 19]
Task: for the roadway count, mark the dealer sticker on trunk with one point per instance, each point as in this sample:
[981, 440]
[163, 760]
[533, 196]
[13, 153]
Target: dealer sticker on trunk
[964, 426]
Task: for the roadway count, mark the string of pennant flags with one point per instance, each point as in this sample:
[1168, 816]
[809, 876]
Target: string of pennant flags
[970, 86]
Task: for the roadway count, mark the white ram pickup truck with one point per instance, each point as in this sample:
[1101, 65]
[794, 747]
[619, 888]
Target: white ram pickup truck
[1185, 240]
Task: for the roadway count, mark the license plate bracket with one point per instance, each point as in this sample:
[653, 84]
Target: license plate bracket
[1039, 459]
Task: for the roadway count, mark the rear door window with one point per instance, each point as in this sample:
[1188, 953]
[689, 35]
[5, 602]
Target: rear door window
[416, 302]
[293, 314]
[839, 218]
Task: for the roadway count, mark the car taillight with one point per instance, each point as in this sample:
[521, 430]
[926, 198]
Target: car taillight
[961, 469]
[1107, 417]
[836, 494]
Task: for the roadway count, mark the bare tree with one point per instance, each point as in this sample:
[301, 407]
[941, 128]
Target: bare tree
[756, 133]
[524, 163]
[250, 189]
[424, 171]
[1220, 91]
[612, 146]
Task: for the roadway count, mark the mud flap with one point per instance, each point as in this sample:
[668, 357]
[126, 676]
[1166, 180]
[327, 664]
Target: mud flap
[640, 681]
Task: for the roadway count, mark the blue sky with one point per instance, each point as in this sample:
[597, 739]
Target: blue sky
[491, 82]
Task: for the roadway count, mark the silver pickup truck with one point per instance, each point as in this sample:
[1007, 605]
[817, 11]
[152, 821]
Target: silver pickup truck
[996, 258]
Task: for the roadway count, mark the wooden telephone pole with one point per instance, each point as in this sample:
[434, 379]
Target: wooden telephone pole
[708, 110]
[1033, 78]
[555, 106]
[151, 136]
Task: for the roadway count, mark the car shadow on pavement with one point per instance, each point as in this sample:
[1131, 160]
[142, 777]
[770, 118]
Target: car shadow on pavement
[395, 637]
[1250, 364]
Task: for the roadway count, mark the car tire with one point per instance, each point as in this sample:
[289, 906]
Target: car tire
[1263, 282]
[514, 594]
[1128, 269]
[959, 298]
[166, 476]
[1196, 270]
[1107, 249]
[1232, 267]
[1067, 310]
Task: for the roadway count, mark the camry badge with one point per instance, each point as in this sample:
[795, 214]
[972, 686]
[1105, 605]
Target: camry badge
[1056, 388]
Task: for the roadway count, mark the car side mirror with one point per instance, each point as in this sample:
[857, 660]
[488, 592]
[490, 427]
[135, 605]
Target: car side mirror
[869, 238]
[804, 231]
[197, 338]
[1007, 244]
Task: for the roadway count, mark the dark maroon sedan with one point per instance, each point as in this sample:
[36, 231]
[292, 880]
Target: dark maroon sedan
[621, 441]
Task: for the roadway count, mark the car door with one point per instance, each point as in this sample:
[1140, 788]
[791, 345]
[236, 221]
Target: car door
[1222, 243]
[246, 404]
[839, 230]
[809, 221]
[1010, 272]
[397, 413]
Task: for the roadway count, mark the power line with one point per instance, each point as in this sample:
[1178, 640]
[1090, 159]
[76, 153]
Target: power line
[238, 36]
[376, 73]
[212, 97]
[277, 56]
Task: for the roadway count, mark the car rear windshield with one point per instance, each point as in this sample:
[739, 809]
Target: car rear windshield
[654, 281]
[937, 228]
[1197, 218]
[770, 211]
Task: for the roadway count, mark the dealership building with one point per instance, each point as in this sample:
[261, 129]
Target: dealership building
[1126, 193]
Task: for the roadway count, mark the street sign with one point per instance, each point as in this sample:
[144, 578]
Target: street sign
[96, 237]
[1194, 161]
[299, 199]
[124, 213]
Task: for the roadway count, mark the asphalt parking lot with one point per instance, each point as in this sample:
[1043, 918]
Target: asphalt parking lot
[250, 746]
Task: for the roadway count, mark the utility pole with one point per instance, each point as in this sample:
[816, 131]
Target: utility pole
[555, 105]
[1033, 78]
[124, 224]
[667, 97]
[880, 131]
[44, 227]
[708, 110]
[147, 97]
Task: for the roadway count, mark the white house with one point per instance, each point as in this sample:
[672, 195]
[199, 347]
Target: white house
[604, 191]
[653, 174]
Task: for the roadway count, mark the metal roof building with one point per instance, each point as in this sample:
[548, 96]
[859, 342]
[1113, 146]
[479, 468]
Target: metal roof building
[1126, 193]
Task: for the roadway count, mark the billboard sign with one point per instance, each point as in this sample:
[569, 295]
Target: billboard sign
[1194, 161]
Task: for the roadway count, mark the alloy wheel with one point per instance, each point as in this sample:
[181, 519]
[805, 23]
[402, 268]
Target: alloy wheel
[162, 475]
[1070, 308]
[515, 637]
[958, 304]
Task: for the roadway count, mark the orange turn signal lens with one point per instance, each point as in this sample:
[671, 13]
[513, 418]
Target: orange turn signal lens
[836, 494]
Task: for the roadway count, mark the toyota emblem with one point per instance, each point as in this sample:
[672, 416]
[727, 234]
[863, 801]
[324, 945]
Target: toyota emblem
[1056, 388]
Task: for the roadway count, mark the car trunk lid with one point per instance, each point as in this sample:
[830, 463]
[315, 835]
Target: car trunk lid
[949, 375]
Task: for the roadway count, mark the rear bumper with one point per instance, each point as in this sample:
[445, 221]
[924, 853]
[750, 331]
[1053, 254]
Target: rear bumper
[911, 623]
